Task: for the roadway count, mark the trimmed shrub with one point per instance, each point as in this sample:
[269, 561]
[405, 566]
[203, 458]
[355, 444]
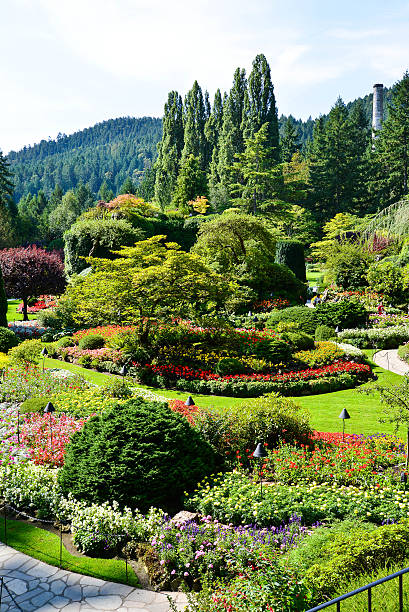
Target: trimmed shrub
[403, 352]
[324, 332]
[291, 254]
[298, 340]
[34, 404]
[27, 352]
[380, 338]
[65, 341]
[229, 365]
[274, 350]
[91, 342]
[346, 313]
[8, 339]
[306, 318]
[139, 453]
[48, 318]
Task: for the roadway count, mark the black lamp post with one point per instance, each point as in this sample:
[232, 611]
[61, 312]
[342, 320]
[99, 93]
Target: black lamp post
[18, 425]
[260, 453]
[344, 415]
[123, 371]
[49, 409]
[44, 354]
[190, 401]
[255, 319]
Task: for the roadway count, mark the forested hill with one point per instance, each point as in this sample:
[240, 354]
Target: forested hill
[109, 151]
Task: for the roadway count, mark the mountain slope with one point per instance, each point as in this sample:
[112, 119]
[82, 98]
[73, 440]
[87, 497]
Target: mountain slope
[111, 151]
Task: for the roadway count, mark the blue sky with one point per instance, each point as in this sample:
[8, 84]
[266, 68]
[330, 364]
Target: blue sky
[68, 64]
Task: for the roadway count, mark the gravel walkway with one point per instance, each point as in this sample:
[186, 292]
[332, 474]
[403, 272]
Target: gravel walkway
[34, 585]
[389, 360]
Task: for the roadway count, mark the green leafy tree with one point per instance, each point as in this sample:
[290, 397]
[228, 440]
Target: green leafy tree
[169, 150]
[347, 264]
[152, 279]
[191, 184]
[387, 277]
[64, 215]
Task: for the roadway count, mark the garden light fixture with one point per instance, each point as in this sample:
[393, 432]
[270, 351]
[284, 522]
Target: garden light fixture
[260, 453]
[344, 415]
[49, 409]
[190, 401]
[123, 371]
[44, 354]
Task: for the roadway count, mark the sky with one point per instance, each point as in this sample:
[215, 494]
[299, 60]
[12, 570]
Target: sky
[68, 64]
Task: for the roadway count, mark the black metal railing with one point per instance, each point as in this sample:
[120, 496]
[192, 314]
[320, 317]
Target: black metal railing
[368, 587]
[3, 587]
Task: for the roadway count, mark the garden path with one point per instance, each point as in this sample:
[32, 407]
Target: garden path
[34, 585]
[389, 360]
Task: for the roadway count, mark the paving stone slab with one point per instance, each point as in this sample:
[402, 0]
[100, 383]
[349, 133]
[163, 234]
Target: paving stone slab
[105, 602]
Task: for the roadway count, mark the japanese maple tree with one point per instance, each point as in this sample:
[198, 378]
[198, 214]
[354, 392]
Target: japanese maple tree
[31, 271]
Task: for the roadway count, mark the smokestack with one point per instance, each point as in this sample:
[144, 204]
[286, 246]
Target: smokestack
[377, 108]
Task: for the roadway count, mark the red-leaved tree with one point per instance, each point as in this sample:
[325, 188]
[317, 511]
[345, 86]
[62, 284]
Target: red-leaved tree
[31, 271]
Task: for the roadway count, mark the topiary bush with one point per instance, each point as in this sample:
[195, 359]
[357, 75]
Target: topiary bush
[346, 313]
[8, 339]
[298, 340]
[306, 318]
[139, 453]
[291, 254]
[34, 404]
[65, 341]
[91, 342]
[229, 365]
[324, 332]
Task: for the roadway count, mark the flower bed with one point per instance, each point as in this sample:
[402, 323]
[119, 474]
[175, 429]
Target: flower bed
[27, 329]
[304, 382]
[90, 357]
[44, 301]
[381, 338]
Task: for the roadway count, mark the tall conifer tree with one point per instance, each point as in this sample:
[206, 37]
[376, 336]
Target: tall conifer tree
[195, 119]
[290, 142]
[260, 105]
[169, 150]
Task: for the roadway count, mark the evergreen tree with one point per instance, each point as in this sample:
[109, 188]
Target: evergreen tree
[290, 142]
[6, 186]
[360, 147]
[391, 153]
[3, 303]
[128, 186]
[169, 150]
[56, 197]
[256, 184]
[84, 196]
[213, 130]
[332, 174]
[146, 188]
[260, 106]
[191, 183]
[195, 118]
[231, 140]
[105, 193]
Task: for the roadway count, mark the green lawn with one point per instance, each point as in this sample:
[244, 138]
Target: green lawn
[13, 315]
[45, 546]
[324, 409]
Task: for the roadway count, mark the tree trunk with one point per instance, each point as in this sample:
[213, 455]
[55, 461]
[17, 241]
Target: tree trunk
[25, 314]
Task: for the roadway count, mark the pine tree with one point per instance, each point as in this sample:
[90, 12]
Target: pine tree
[128, 186]
[391, 145]
[360, 148]
[169, 150]
[105, 193]
[260, 106]
[6, 185]
[290, 142]
[213, 130]
[84, 196]
[191, 183]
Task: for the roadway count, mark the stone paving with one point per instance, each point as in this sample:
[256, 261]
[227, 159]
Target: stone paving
[35, 585]
[389, 360]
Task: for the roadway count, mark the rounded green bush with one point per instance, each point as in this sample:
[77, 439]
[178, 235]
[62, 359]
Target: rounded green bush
[28, 351]
[8, 339]
[93, 341]
[324, 332]
[34, 404]
[139, 453]
[65, 341]
[306, 318]
[299, 340]
[291, 254]
[346, 313]
[228, 366]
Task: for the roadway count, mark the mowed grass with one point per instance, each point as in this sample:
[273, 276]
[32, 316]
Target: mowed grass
[365, 410]
[13, 315]
[45, 546]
